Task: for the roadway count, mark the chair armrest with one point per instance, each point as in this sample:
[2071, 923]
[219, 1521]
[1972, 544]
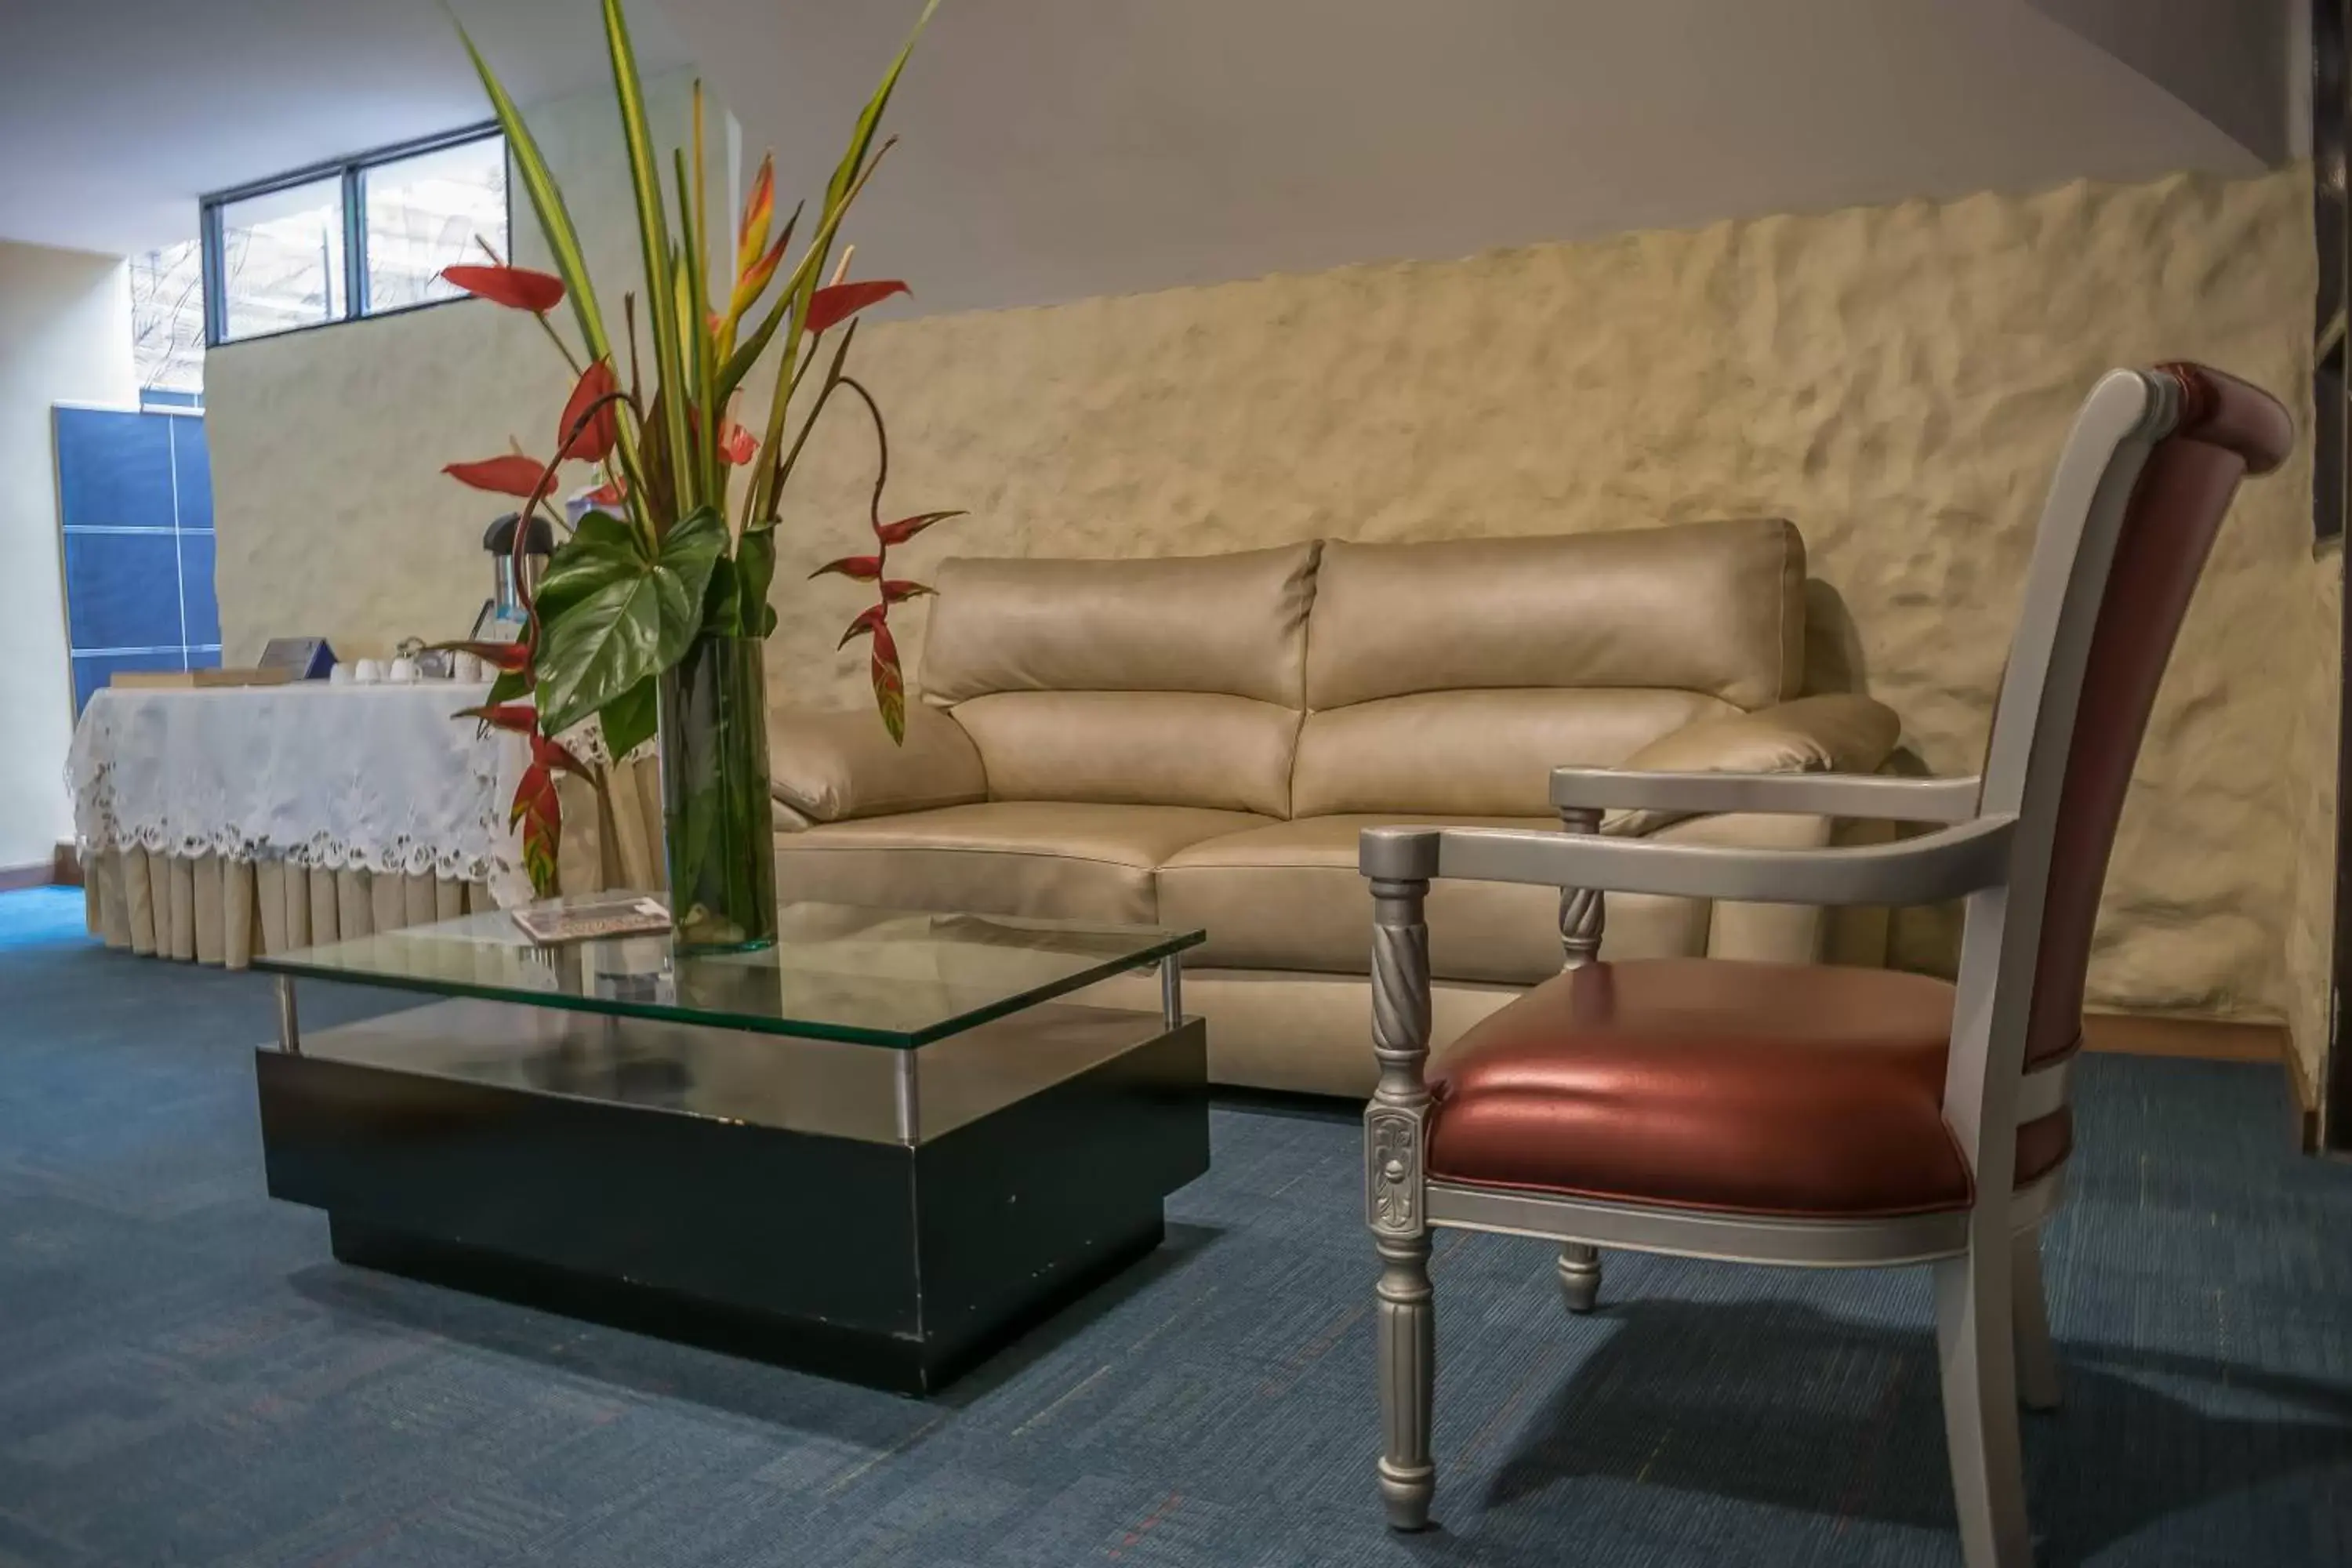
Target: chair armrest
[1670, 797]
[833, 767]
[1945, 864]
[1815, 756]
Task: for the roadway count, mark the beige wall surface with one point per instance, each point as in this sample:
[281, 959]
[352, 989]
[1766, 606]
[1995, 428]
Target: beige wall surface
[64, 337]
[1898, 380]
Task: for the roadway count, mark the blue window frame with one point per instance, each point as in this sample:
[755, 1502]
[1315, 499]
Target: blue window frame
[135, 510]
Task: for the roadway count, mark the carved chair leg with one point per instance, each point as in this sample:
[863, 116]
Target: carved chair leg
[1408, 1356]
[1579, 1276]
[2037, 1359]
[1975, 1341]
[1396, 1197]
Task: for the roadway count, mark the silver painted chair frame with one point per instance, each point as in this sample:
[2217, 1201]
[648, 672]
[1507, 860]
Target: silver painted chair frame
[1993, 835]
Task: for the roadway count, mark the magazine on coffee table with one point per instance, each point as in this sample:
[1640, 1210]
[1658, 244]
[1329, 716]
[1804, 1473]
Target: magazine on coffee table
[589, 916]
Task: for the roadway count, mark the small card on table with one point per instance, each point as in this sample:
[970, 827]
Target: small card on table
[590, 917]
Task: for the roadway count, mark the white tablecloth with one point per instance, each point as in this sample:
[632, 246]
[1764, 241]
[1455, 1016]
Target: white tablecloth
[218, 824]
[363, 778]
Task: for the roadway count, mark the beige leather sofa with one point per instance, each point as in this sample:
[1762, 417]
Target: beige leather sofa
[1198, 741]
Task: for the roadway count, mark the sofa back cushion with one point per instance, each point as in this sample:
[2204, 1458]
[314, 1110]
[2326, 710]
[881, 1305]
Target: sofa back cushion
[1453, 676]
[1232, 624]
[1710, 607]
[1176, 681]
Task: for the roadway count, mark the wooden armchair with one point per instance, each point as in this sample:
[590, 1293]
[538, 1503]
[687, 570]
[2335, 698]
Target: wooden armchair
[1814, 1115]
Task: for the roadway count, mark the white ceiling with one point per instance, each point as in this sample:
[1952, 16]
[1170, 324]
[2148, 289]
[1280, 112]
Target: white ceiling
[1061, 148]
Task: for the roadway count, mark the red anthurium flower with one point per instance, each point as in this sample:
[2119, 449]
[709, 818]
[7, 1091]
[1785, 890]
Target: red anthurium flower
[889, 685]
[507, 657]
[595, 437]
[830, 306]
[864, 568]
[518, 288]
[546, 753]
[512, 475]
[905, 527]
[515, 717]
[736, 445]
[610, 494]
[538, 810]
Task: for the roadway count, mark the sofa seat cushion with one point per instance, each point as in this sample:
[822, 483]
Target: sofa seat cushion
[1045, 859]
[1288, 894]
[1756, 1089]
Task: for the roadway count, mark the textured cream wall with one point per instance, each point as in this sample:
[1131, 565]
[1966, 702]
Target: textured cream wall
[1897, 379]
[64, 337]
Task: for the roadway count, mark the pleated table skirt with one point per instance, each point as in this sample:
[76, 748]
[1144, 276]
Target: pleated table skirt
[204, 909]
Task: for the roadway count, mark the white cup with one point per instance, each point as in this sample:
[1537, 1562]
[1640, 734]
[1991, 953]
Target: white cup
[467, 668]
[401, 672]
[339, 675]
[368, 672]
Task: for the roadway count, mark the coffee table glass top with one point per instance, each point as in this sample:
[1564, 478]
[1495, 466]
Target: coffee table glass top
[876, 977]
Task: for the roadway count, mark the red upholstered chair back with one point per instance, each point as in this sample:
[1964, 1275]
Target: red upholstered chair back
[2129, 575]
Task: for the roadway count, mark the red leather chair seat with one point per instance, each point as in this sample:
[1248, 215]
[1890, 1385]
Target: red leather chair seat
[1757, 1088]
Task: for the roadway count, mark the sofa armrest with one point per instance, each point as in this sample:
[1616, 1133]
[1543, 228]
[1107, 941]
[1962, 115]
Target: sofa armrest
[1839, 733]
[833, 767]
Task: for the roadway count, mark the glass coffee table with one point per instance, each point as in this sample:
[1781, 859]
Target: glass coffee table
[878, 1149]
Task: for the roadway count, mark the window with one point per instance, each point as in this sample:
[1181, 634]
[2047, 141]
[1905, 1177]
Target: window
[360, 237]
[167, 324]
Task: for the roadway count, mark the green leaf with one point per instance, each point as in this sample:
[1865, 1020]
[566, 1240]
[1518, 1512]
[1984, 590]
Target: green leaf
[547, 201]
[690, 552]
[652, 231]
[603, 632]
[694, 314]
[630, 719]
[599, 547]
[722, 605]
[612, 619]
[755, 569]
[869, 119]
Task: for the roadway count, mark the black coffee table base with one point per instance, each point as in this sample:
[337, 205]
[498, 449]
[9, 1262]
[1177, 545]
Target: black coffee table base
[892, 1265]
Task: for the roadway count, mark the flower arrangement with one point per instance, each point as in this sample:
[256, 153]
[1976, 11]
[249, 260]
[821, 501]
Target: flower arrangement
[644, 610]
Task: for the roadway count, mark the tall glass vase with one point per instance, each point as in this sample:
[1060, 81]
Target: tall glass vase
[716, 819]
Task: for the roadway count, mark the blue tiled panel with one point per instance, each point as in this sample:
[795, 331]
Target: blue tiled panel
[204, 659]
[92, 671]
[196, 588]
[114, 470]
[151, 397]
[122, 590]
[192, 470]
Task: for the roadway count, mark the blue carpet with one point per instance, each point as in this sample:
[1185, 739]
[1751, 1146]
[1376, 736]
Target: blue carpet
[187, 1377]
